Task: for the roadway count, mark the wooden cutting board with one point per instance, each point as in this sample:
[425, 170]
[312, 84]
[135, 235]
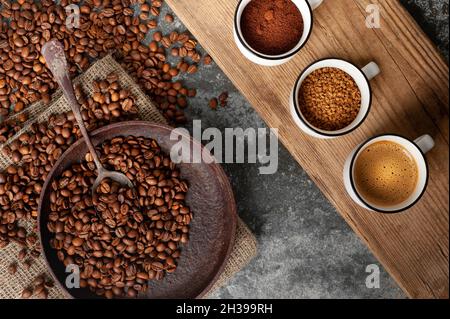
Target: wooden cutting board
[410, 98]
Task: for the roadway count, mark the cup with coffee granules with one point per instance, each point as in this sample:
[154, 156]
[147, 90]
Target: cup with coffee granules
[332, 97]
[271, 32]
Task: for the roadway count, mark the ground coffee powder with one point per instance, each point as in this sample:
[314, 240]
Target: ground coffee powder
[272, 27]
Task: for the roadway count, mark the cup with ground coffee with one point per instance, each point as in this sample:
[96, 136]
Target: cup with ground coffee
[271, 32]
[332, 97]
[388, 173]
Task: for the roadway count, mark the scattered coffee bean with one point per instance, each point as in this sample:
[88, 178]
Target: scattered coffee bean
[39, 280]
[42, 147]
[207, 60]
[27, 264]
[49, 284]
[22, 254]
[27, 293]
[213, 103]
[41, 292]
[223, 99]
[168, 18]
[35, 253]
[12, 268]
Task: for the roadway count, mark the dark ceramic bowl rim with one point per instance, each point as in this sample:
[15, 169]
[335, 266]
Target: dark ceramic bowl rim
[268, 56]
[104, 130]
[352, 181]
[313, 128]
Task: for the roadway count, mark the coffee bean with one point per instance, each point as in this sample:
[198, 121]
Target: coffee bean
[12, 269]
[213, 103]
[131, 293]
[168, 18]
[115, 27]
[27, 264]
[207, 60]
[27, 293]
[39, 280]
[22, 254]
[35, 253]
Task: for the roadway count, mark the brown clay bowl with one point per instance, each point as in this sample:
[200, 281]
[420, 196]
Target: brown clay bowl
[212, 230]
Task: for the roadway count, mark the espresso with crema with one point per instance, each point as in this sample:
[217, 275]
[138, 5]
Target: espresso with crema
[385, 174]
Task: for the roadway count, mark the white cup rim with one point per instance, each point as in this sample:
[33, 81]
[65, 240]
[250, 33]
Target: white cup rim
[267, 57]
[362, 199]
[351, 127]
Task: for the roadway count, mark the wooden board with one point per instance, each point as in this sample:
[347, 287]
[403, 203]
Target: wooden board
[410, 98]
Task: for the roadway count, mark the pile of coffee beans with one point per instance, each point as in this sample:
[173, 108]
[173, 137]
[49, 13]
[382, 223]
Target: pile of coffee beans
[35, 152]
[104, 26]
[120, 238]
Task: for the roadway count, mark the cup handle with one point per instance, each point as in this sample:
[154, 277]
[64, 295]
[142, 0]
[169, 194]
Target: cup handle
[425, 143]
[315, 3]
[371, 70]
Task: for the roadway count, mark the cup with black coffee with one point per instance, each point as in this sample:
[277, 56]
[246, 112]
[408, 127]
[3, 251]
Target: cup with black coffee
[271, 32]
[388, 173]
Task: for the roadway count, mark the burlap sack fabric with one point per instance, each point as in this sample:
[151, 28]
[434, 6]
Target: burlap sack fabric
[11, 286]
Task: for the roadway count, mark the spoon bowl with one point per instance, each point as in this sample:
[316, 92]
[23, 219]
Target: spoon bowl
[118, 177]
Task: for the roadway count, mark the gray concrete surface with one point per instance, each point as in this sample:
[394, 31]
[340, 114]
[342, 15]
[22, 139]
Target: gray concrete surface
[306, 250]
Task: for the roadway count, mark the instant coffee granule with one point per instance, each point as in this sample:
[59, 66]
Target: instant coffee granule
[329, 99]
[272, 27]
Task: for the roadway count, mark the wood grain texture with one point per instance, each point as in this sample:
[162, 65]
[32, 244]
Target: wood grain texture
[410, 98]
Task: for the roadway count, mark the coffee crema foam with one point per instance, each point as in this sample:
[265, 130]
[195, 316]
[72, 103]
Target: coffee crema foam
[385, 174]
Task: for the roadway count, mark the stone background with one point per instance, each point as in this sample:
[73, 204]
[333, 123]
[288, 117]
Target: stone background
[306, 250]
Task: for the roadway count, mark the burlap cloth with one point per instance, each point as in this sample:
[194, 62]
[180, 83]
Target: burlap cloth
[11, 286]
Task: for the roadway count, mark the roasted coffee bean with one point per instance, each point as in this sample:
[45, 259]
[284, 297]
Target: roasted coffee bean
[22, 254]
[27, 293]
[12, 268]
[49, 284]
[42, 293]
[168, 18]
[27, 264]
[39, 280]
[213, 103]
[37, 154]
[35, 253]
[207, 60]
[223, 99]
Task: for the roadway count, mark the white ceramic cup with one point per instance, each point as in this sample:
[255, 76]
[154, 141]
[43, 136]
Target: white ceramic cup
[362, 78]
[417, 149]
[306, 8]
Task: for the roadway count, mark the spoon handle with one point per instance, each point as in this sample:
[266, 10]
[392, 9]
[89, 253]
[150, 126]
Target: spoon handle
[53, 52]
